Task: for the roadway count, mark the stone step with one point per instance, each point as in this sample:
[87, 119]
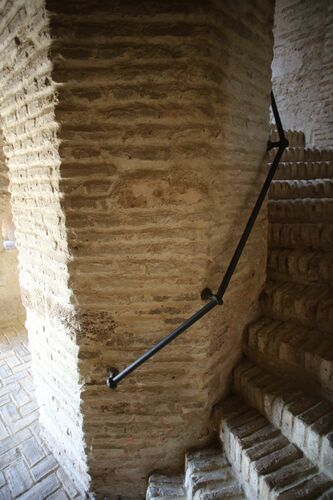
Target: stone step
[301, 210]
[300, 189]
[165, 488]
[298, 154]
[304, 419]
[295, 138]
[208, 476]
[304, 170]
[284, 347]
[311, 306]
[300, 266]
[301, 236]
[267, 464]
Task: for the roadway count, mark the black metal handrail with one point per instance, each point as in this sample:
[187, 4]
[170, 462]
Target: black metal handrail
[114, 377]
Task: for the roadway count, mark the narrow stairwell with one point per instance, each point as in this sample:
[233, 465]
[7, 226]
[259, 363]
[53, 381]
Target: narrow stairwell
[276, 428]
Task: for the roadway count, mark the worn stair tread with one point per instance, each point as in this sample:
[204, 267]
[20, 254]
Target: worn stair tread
[307, 210]
[282, 481]
[304, 170]
[165, 487]
[305, 419]
[300, 189]
[209, 475]
[285, 347]
[225, 488]
[266, 462]
[205, 459]
[308, 489]
[300, 265]
[308, 305]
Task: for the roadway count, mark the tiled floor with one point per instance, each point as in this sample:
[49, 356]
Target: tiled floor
[27, 468]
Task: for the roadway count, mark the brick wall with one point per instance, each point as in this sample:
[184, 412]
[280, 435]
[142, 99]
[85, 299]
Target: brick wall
[134, 159]
[163, 112]
[27, 97]
[302, 67]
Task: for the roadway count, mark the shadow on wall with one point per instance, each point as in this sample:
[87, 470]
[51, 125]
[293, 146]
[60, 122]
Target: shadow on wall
[10, 295]
[303, 67]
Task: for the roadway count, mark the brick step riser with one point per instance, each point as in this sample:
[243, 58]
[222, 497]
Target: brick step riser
[309, 306]
[283, 348]
[296, 139]
[317, 237]
[305, 420]
[301, 211]
[299, 266]
[208, 476]
[301, 189]
[304, 170]
[282, 367]
[165, 488]
[301, 154]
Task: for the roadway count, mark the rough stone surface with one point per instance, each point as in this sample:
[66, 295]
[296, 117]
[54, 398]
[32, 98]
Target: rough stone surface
[163, 116]
[287, 453]
[303, 67]
[309, 305]
[134, 137]
[128, 130]
[294, 336]
[27, 98]
[266, 463]
[306, 354]
[305, 420]
[293, 341]
[302, 266]
[28, 470]
[304, 170]
[166, 487]
[208, 476]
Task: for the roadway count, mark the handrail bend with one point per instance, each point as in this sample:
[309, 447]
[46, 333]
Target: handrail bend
[114, 376]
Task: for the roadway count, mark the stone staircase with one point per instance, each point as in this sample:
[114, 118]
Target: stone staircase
[208, 475]
[276, 428]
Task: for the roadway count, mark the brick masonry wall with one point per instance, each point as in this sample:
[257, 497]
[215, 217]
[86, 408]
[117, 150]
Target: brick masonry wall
[163, 114]
[27, 98]
[303, 67]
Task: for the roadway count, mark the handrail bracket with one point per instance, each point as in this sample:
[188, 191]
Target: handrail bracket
[207, 294]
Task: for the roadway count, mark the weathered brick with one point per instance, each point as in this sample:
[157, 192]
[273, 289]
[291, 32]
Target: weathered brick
[287, 347]
[267, 463]
[113, 171]
[304, 419]
[310, 305]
